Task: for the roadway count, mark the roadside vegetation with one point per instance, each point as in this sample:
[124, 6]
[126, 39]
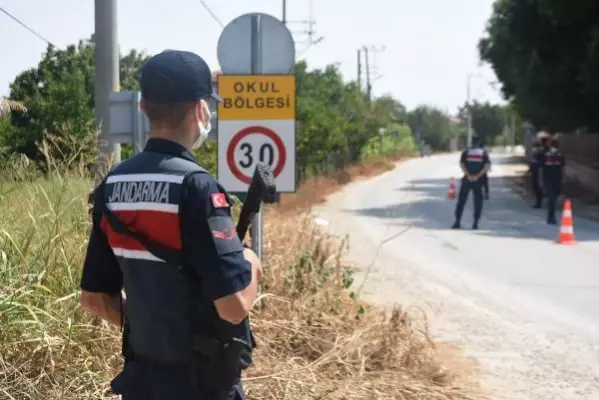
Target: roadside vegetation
[315, 338]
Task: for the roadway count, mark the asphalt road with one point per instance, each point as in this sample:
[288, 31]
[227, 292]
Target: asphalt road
[527, 306]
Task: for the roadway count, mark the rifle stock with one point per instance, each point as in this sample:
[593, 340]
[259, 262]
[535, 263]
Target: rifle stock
[262, 190]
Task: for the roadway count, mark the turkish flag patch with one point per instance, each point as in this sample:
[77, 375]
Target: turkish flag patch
[219, 200]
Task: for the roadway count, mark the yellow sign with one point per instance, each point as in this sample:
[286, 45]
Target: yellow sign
[256, 97]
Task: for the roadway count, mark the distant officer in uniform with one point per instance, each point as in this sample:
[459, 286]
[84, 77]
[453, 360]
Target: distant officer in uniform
[162, 231]
[534, 168]
[552, 162]
[475, 163]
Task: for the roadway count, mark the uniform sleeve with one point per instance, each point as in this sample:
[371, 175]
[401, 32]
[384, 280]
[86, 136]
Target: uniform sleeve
[486, 158]
[463, 157]
[539, 157]
[101, 271]
[210, 238]
[533, 155]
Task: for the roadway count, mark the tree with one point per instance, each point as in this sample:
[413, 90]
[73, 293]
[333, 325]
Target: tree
[59, 95]
[431, 125]
[546, 55]
[334, 119]
[390, 110]
[335, 123]
[488, 121]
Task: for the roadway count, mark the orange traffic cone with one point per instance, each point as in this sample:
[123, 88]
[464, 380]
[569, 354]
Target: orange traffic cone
[566, 229]
[451, 192]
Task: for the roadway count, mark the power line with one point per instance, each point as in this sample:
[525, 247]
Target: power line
[18, 21]
[212, 14]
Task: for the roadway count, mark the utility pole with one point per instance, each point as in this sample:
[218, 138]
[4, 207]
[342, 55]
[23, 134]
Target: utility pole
[469, 106]
[469, 111]
[309, 31]
[368, 85]
[107, 73]
[369, 68]
[359, 69]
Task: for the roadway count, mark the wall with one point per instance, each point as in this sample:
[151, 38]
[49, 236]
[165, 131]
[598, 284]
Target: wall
[582, 159]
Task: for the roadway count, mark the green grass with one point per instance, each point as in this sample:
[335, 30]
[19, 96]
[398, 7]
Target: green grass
[48, 344]
[315, 339]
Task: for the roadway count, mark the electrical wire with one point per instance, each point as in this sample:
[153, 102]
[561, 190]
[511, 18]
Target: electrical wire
[24, 25]
[214, 17]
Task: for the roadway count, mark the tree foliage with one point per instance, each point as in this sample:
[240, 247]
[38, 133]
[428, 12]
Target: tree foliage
[546, 55]
[59, 95]
[433, 126]
[335, 121]
[335, 118]
[488, 120]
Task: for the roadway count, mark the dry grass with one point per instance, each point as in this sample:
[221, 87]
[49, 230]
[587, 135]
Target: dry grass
[316, 341]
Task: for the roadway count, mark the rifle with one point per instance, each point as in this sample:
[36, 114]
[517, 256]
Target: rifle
[263, 189]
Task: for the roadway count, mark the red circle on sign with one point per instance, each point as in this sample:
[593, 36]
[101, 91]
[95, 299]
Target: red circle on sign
[246, 132]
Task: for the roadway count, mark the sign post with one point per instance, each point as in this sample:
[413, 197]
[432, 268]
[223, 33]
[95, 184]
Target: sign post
[256, 122]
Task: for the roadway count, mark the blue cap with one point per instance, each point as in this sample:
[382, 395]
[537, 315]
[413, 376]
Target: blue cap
[175, 76]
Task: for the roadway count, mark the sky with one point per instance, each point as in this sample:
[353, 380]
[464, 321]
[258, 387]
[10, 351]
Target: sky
[429, 45]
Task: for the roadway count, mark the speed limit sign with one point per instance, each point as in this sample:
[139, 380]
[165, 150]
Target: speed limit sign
[268, 137]
[242, 145]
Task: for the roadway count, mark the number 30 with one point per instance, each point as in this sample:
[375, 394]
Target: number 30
[249, 159]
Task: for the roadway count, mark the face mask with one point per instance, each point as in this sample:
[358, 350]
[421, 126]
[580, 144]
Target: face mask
[203, 130]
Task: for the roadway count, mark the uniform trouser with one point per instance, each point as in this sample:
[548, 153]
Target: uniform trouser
[485, 182]
[140, 381]
[536, 186]
[477, 191]
[553, 190]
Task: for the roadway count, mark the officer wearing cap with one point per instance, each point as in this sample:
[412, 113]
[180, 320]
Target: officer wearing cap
[552, 162]
[475, 163]
[162, 231]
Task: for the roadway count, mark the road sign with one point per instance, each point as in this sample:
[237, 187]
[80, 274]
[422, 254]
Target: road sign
[256, 44]
[127, 123]
[275, 41]
[256, 97]
[256, 122]
[528, 131]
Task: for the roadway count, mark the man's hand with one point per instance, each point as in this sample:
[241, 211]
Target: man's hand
[253, 259]
[103, 305]
[472, 178]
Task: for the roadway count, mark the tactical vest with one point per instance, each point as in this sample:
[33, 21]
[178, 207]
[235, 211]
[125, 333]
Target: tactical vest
[475, 157]
[163, 306]
[553, 161]
[168, 322]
